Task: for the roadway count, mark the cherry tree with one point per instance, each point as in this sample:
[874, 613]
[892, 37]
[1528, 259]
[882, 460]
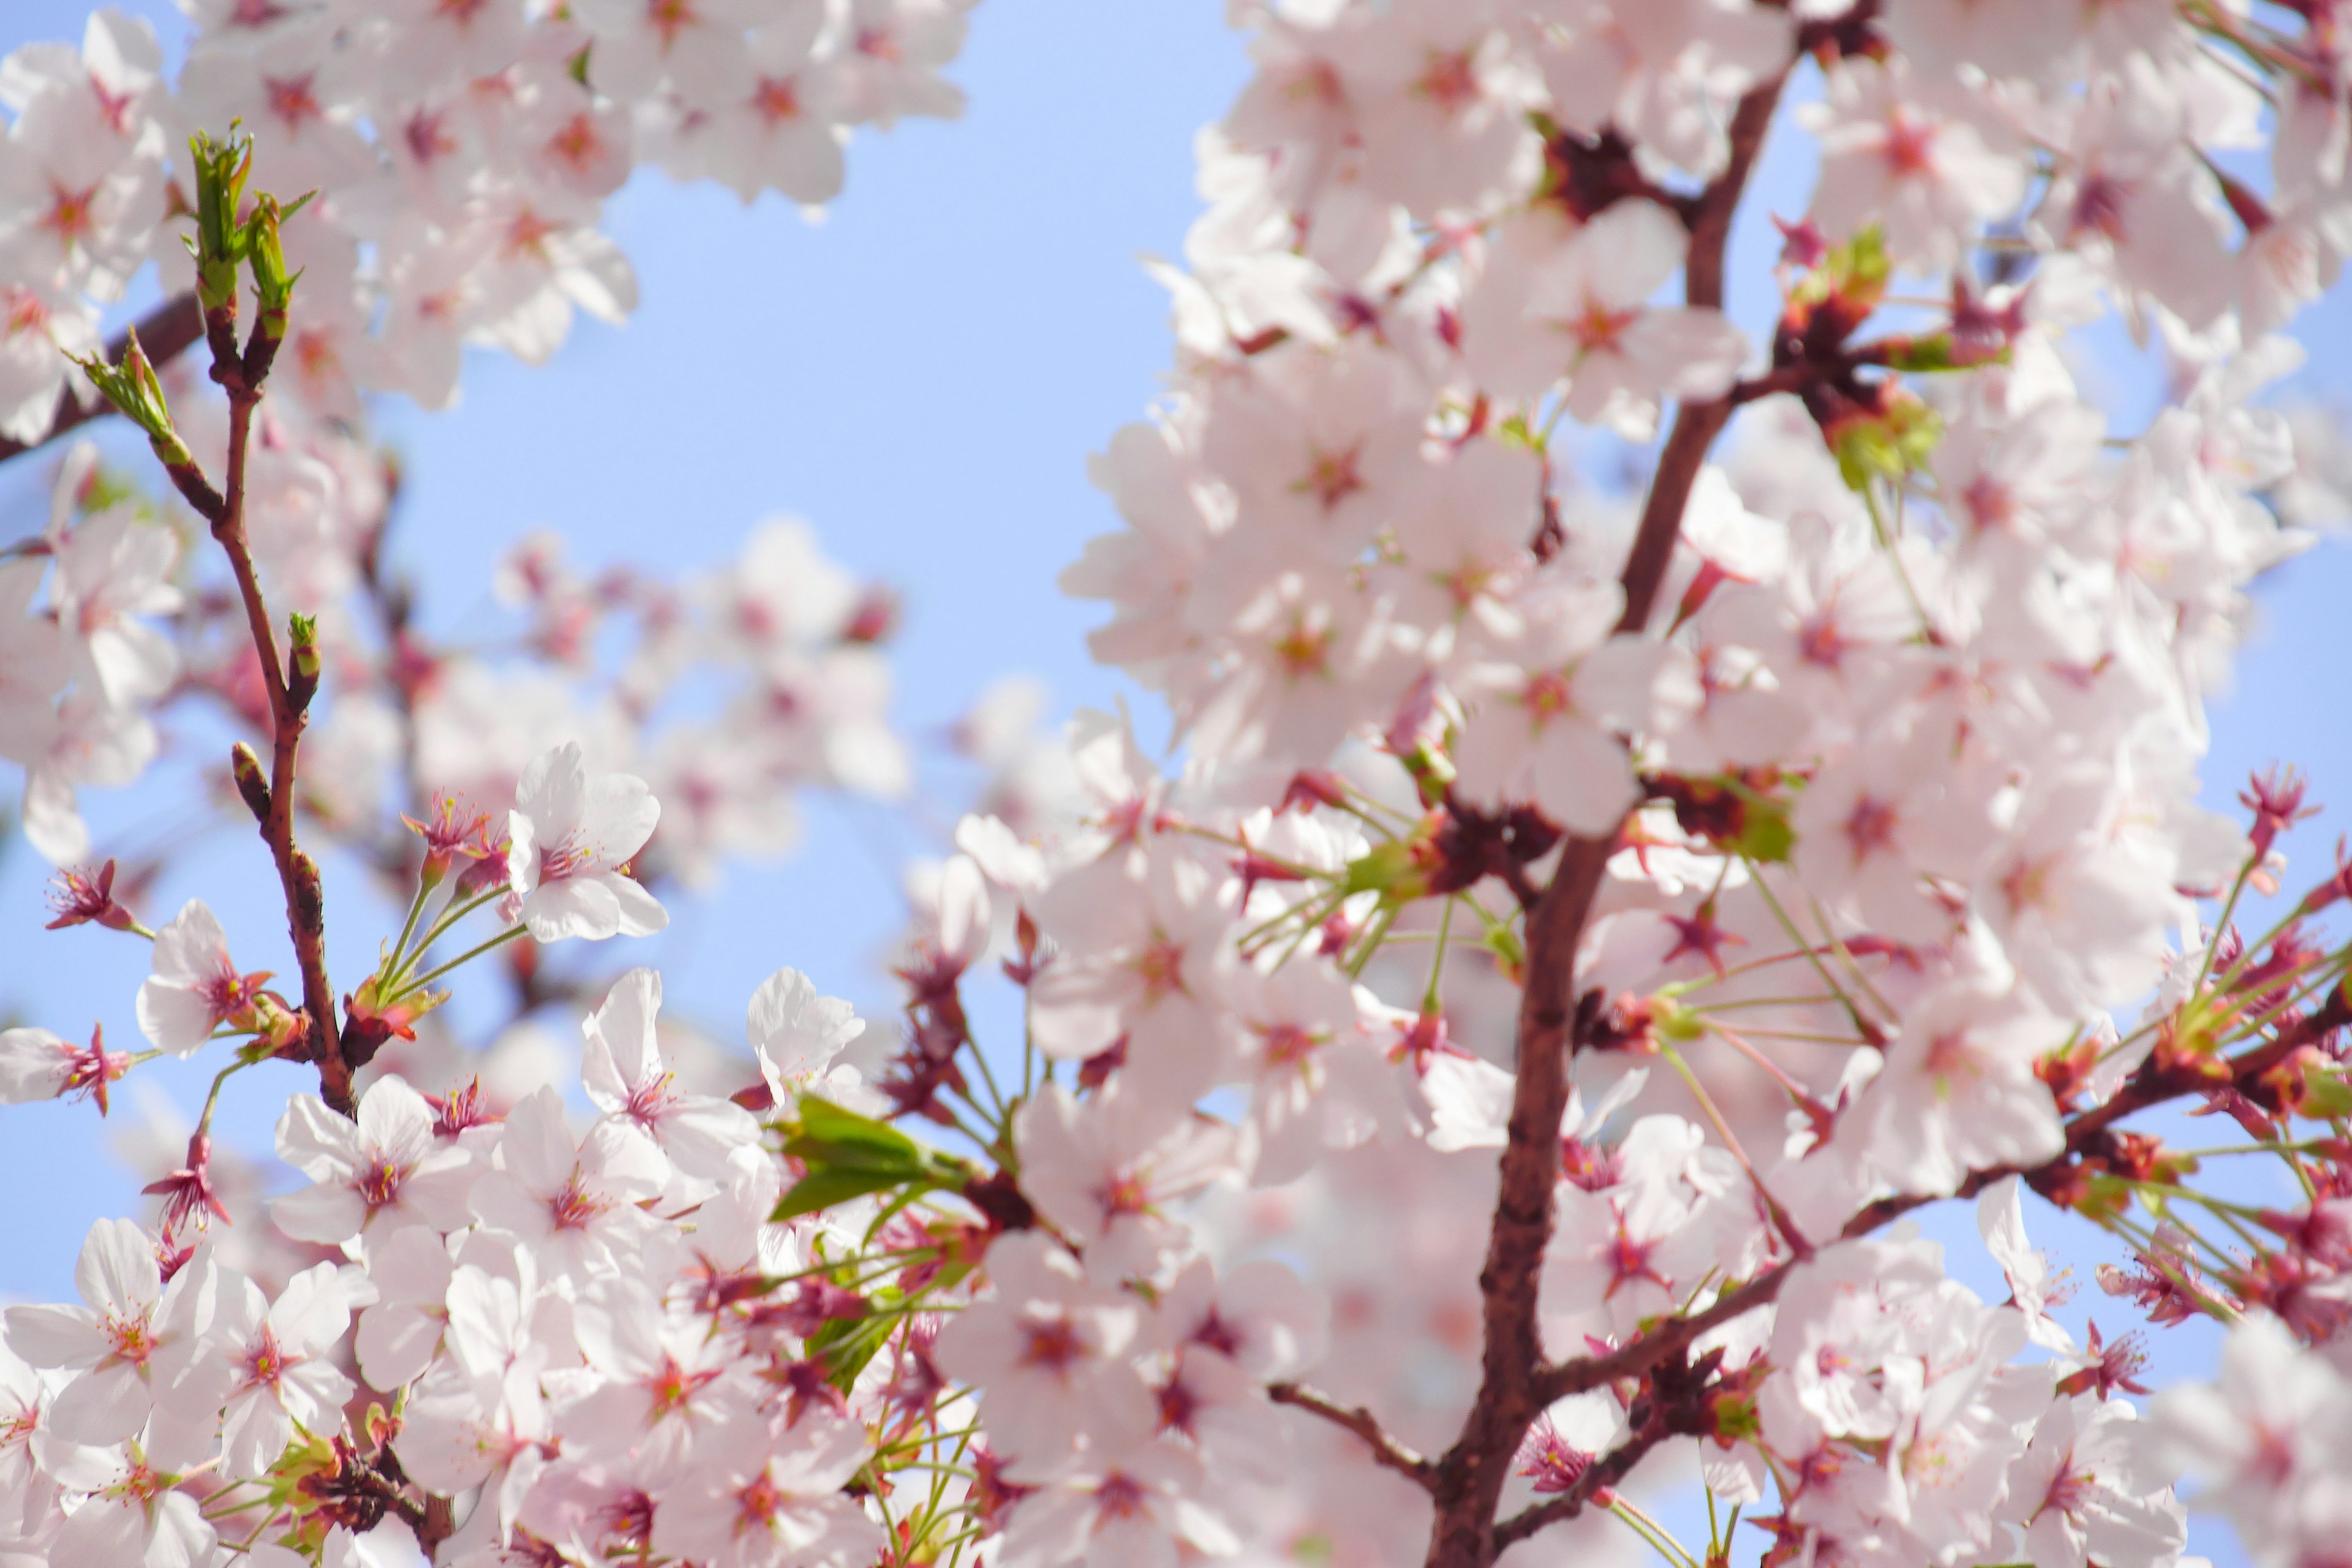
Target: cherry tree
[1482, 1075]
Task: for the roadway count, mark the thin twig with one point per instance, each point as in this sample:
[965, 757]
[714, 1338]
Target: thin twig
[297, 874]
[1386, 1450]
[1469, 1477]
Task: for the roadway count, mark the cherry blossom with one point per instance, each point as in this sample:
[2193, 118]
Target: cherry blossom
[573, 838]
[370, 1176]
[1589, 901]
[194, 989]
[629, 1080]
[115, 1344]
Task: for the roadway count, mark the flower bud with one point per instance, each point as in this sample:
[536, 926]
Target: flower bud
[135, 393]
[251, 784]
[303, 662]
[368, 1023]
[310, 903]
[273, 288]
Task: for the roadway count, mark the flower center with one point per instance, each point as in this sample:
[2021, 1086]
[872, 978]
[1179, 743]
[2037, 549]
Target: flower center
[139, 1484]
[1289, 1044]
[1910, 146]
[380, 1182]
[776, 99]
[757, 1505]
[567, 857]
[24, 313]
[2099, 207]
[1600, 329]
[1124, 1193]
[1304, 650]
[577, 143]
[671, 17]
[1449, 81]
[1548, 696]
[1119, 1496]
[71, 214]
[133, 1340]
[265, 1363]
[574, 1207]
[1051, 1344]
[673, 1386]
[292, 100]
[1160, 968]
[648, 1101]
[1332, 477]
[1869, 828]
[1950, 1056]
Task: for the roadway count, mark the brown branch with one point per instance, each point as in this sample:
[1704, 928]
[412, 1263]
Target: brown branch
[1386, 1450]
[1696, 424]
[166, 332]
[1470, 1476]
[297, 874]
[2146, 1088]
[1515, 1385]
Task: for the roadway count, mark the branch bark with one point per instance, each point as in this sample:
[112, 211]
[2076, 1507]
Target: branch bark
[1469, 1477]
[241, 377]
[2146, 1090]
[167, 332]
[1386, 1450]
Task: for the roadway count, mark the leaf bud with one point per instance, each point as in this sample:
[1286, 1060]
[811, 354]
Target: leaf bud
[303, 662]
[219, 243]
[251, 782]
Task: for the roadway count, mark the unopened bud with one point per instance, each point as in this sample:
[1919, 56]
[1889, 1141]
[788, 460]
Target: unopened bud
[1312, 787]
[876, 617]
[136, 393]
[251, 784]
[310, 903]
[273, 285]
[218, 245]
[278, 1030]
[302, 663]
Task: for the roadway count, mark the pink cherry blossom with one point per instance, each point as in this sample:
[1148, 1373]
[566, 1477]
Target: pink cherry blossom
[573, 835]
[373, 1175]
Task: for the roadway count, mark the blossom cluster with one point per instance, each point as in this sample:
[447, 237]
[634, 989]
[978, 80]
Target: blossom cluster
[1486, 1074]
[460, 156]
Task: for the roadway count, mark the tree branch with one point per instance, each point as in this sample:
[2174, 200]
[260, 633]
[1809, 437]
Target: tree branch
[2146, 1088]
[166, 332]
[1386, 1450]
[1469, 1477]
[297, 874]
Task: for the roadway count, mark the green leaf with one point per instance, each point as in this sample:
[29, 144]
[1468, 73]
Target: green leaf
[848, 1157]
[1889, 444]
[220, 242]
[827, 1133]
[2326, 1096]
[848, 1344]
[1765, 835]
[823, 1189]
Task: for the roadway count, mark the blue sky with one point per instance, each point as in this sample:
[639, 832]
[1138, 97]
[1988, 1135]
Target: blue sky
[922, 375]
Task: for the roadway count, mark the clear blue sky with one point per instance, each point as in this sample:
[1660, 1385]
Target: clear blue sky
[922, 375]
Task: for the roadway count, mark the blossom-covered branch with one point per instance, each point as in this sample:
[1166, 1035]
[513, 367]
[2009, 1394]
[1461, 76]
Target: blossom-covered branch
[1699, 870]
